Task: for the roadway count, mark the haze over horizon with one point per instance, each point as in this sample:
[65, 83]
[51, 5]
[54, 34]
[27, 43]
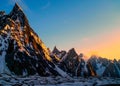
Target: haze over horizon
[89, 26]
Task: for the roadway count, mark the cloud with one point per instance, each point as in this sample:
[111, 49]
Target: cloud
[47, 5]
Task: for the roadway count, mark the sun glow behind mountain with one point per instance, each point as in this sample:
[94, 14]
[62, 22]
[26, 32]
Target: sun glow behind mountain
[89, 26]
[107, 45]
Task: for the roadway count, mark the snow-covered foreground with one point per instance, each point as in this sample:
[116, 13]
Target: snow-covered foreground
[56, 81]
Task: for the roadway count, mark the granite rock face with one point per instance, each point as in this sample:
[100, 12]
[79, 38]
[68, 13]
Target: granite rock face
[22, 52]
[74, 64]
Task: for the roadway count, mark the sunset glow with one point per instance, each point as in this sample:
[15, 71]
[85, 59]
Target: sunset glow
[108, 45]
[89, 26]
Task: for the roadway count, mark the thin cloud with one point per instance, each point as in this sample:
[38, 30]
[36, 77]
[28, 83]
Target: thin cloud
[47, 5]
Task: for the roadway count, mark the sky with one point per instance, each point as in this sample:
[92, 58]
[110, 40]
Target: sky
[91, 27]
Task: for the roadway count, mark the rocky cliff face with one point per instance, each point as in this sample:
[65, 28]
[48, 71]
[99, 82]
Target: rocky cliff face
[99, 64]
[22, 52]
[74, 64]
[58, 53]
[112, 70]
[105, 67]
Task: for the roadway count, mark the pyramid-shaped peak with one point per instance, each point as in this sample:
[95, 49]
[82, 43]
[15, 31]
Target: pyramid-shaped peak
[73, 52]
[22, 51]
[16, 8]
[55, 50]
[18, 14]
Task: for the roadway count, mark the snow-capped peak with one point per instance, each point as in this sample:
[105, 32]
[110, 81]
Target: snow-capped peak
[22, 52]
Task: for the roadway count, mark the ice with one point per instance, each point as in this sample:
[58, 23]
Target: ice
[63, 74]
[100, 69]
[63, 58]
[3, 47]
[3, 67]
[8, 80]
[2, 62]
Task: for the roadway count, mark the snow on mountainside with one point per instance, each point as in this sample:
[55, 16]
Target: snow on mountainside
[105, 67]
[7, 80]
[74, 64]
[99, 64]
[25, 60]
[22, 52]
[58, 53]
[112, 70]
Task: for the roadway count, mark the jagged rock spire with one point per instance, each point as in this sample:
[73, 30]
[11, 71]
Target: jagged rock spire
[17, 13]
[72, 52]
[16, 9]
[55, 50]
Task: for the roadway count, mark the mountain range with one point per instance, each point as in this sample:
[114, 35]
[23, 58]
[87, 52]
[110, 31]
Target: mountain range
[76, 65]
[23, 53]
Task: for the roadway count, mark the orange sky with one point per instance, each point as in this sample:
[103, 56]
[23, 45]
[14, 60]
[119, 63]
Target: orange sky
[105, 45]
[110, 51]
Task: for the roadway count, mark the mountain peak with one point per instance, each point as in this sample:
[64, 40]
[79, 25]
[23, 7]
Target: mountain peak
[22, 52]
[18, 14]
[16, 10]
[17, 7]
[55, 50]
[72, 52]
